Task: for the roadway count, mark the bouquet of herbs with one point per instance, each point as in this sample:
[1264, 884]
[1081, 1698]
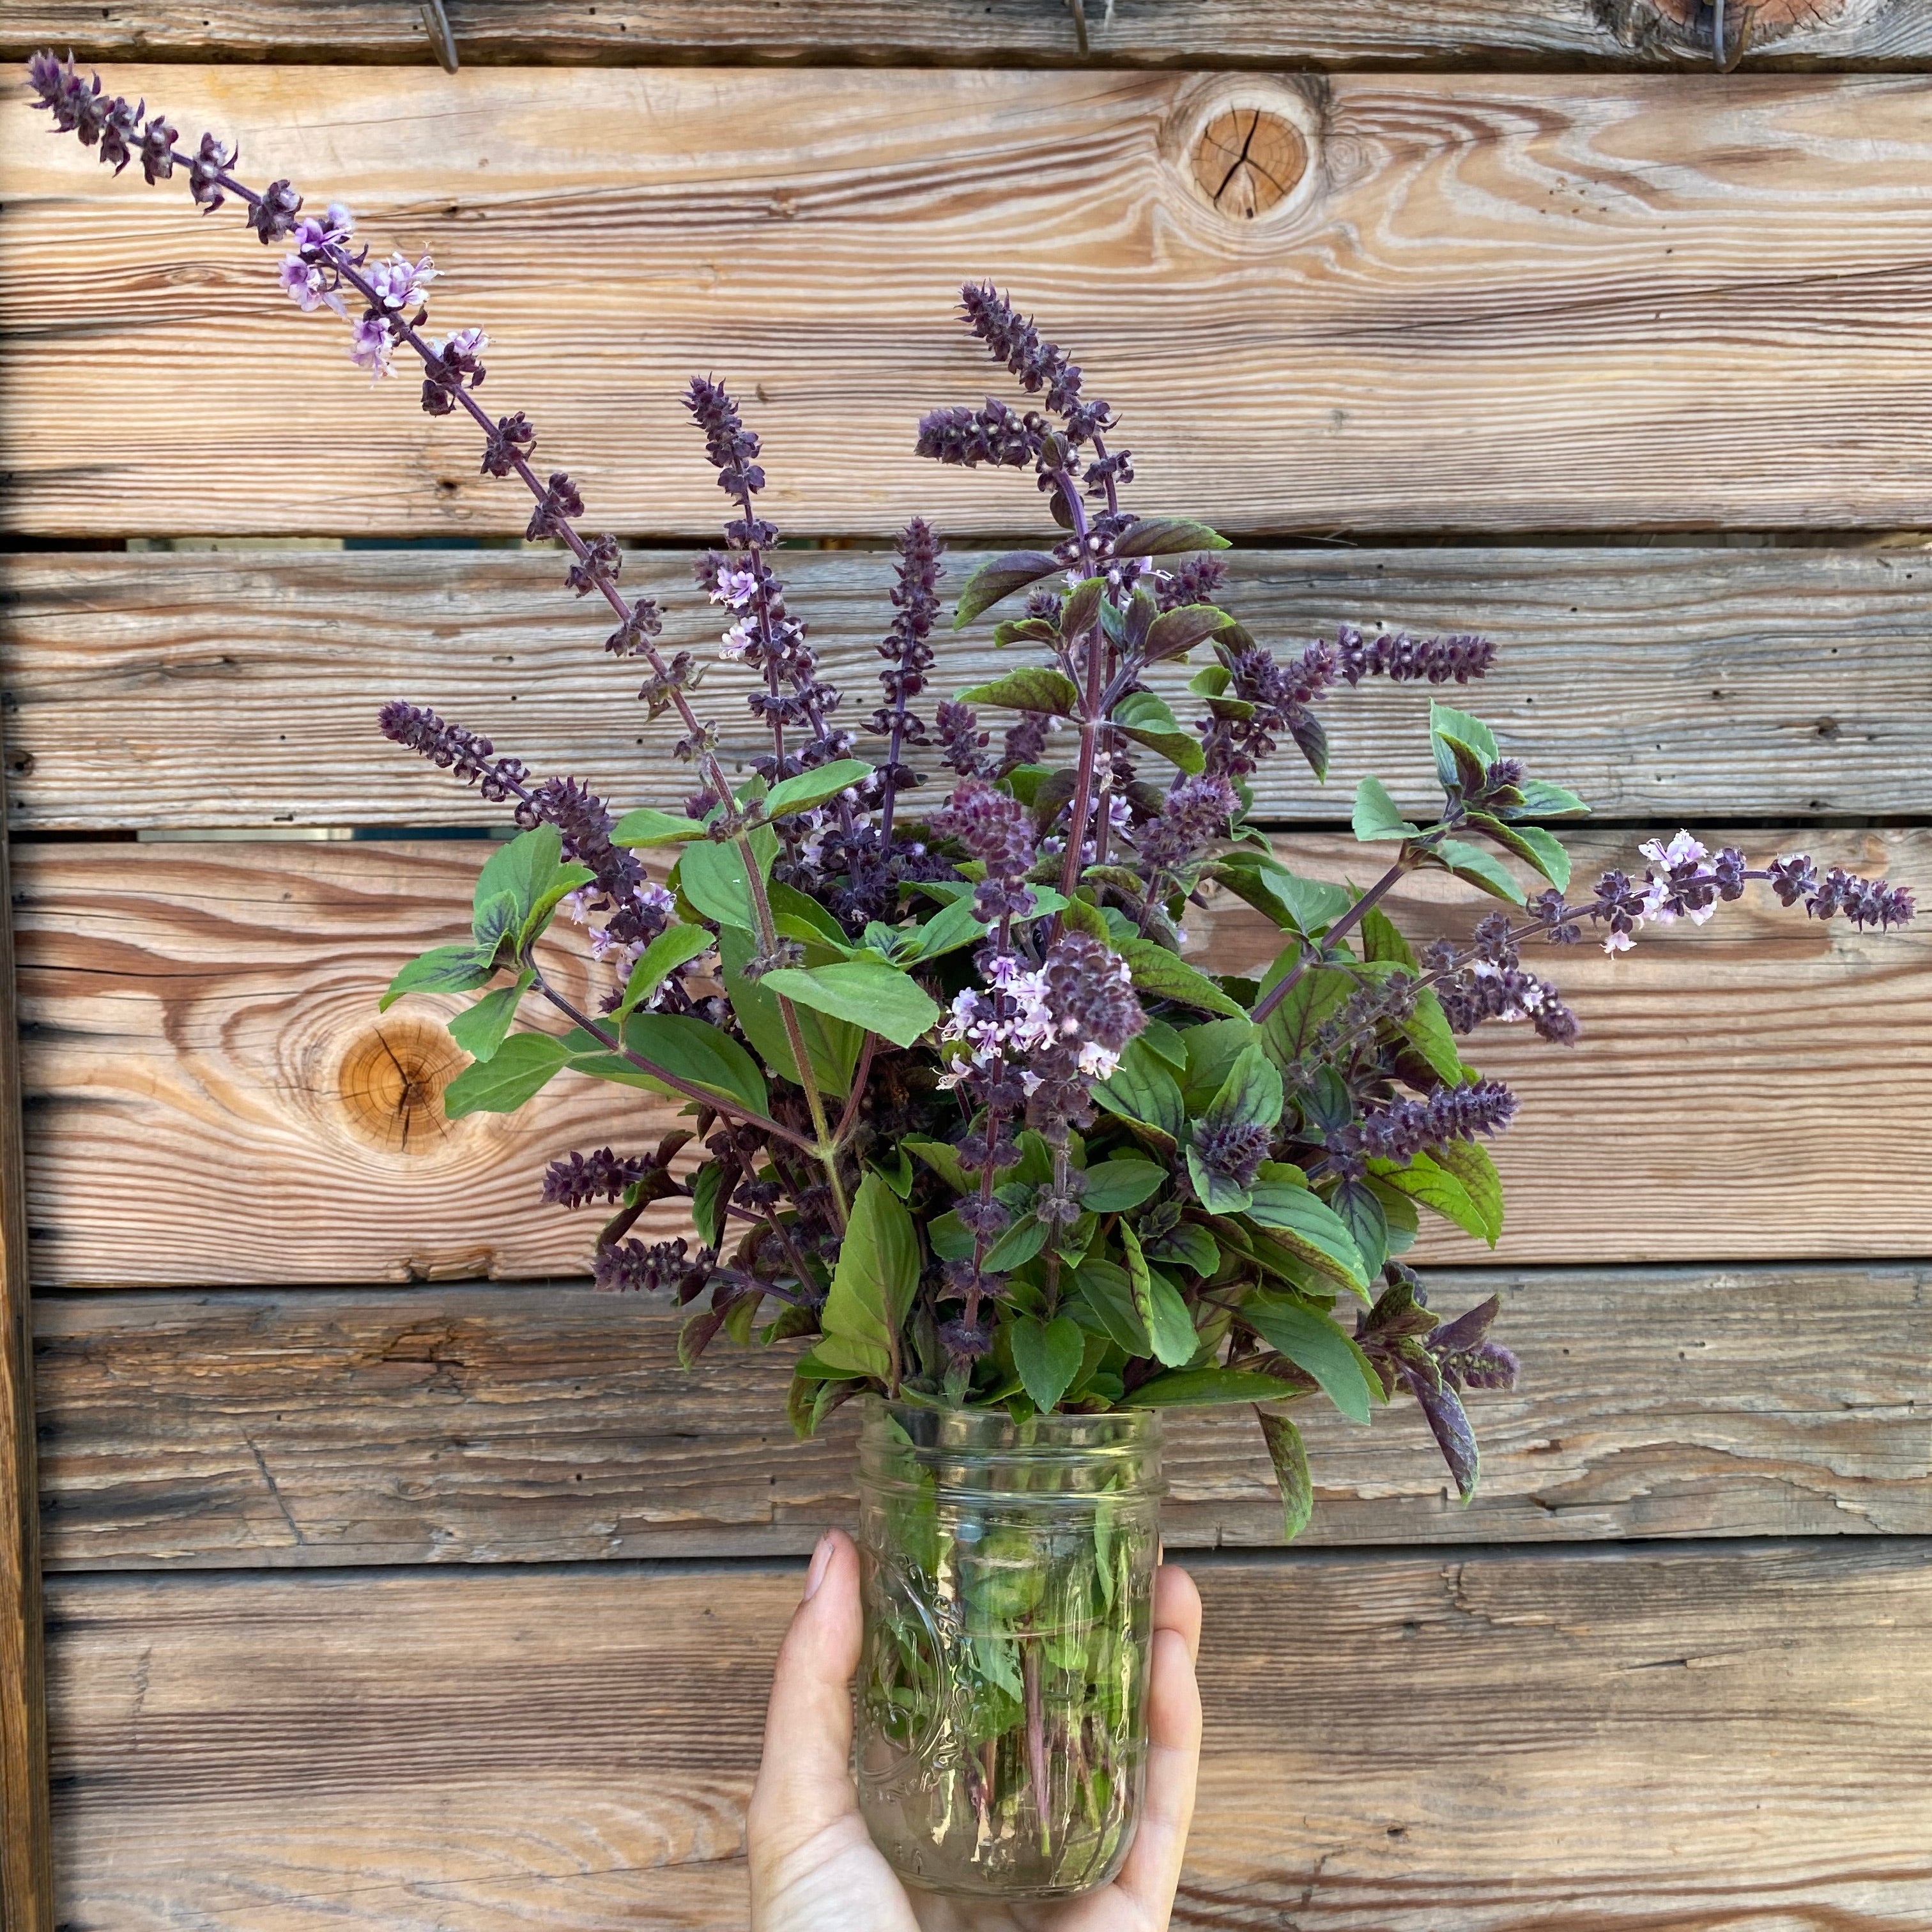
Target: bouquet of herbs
[965, 1126]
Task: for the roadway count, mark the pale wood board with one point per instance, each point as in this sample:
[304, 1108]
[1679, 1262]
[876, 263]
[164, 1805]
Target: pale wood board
[209, 1084]
[474, 1424]
[1495, 302]
[1199, 33]
[217, 688]
[1465, 1742]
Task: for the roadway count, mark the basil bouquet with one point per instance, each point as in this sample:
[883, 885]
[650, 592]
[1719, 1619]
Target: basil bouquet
[964, 1126]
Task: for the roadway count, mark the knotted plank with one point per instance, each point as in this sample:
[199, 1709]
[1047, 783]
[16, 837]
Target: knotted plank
[1411, 1743]
[477, 1424]
[213, 1098]
[1486, 302]
[216, 689]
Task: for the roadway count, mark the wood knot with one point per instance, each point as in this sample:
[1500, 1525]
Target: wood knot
[390, 1081]
[1248, 160]
[1706, 30]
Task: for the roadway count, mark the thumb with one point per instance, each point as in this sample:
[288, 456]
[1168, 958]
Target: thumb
[805, 1780]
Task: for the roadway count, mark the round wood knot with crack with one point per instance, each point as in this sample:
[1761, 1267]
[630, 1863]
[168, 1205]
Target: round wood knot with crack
[391, 1081]
[1248, 160]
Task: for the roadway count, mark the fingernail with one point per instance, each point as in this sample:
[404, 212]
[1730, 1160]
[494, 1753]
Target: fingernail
[821, 1560]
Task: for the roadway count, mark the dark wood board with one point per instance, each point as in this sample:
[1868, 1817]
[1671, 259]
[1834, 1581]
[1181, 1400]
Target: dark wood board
[1488, 302]
[213, 1098]
[1198, 33]
[1626, 1740]
[469, 1424]
[215, 688]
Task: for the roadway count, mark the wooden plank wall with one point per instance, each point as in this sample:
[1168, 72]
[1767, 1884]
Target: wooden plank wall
[396, 1580]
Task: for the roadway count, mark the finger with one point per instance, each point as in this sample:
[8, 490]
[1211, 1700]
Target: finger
[1152, 1869]
[1176, 1606]
[805, 1781]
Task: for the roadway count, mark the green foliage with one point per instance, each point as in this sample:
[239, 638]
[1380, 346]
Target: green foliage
[872, 1287]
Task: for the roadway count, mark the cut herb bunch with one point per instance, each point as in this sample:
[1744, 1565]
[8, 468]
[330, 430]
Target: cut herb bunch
[967, 1129]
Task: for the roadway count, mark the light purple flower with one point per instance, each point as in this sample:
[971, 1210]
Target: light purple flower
[399, 281]
[370, 347]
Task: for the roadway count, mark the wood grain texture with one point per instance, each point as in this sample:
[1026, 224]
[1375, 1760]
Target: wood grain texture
[1492, 302]
[1200, 33]
[26, 1869]
[474, 1424]
[213, 1098]
[219, 688]
[1410, 1743]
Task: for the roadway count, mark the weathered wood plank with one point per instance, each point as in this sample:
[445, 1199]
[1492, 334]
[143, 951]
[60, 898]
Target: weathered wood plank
[213, 1100]
[474, 1424]
[1527, 302]
[1203, 33]
[26, 1868]
[214, 688]
[1411, 1744]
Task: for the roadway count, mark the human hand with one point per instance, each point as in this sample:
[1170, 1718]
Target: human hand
[814, 1867]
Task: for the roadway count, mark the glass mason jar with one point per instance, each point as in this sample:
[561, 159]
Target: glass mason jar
[1008, 1609]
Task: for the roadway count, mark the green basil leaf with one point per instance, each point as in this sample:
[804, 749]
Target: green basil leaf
[814, 787]
[1470, 1162]
[1198, 1388]
[693, 1052]
[1312, 1230]
[673, 947]
[481, 1030]
[1000, 579]
[707, 1210]
[872, 1286]
[1445, 722]
[1290, 1458]
[1116, 1185]
[1141, 1088]
[1174, 632]
[1107, 1292]
[1471, 862]
[1017, 1245]
[1158, 1306]
[1047, 1357]
[647, 827]
[1037, 688]
[1421, 1179]
[878, 998]
[1251, 1093]
[1166, 536]
[943, 1158]
[519, 1069]
[1540, 800]
[950, 928]
[1314, 1343]
[1166, 975]
[1377, 816]
[442, 969]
